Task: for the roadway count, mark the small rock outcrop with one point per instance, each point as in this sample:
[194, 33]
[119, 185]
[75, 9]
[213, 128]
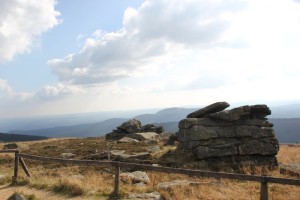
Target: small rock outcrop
[152, 128]
[134, 129]
[131, 126]
[229, 137]
[135, 177]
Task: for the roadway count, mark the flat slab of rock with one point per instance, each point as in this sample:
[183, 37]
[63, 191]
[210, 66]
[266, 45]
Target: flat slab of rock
[127, 140]
[145, 196]
[117, 152]
[135, 156]
[67, 155]
[144, 136]
[215, 107]
[121, 155]
[189, 122]
[234, 114]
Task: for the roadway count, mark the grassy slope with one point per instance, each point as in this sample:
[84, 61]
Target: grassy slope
[95, 182]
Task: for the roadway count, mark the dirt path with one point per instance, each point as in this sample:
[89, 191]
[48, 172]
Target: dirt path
[7, 190]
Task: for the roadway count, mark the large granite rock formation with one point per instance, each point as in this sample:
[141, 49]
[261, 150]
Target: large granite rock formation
[242, 134]
[134, 129]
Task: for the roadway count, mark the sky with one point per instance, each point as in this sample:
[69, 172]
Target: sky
[62, 57]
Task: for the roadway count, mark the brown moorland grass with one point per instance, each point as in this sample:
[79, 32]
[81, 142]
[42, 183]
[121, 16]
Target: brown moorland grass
[98, 182]
[289, 154]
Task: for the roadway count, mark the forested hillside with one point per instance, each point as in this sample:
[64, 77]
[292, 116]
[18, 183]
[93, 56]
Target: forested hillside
[5, 137]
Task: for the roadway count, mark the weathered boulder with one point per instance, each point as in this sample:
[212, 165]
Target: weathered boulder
[215, 107]
[242, 134]
[135, 177]
[115, 135]
[259, 111]
[131, 126]
[152, 128]
[133, 129]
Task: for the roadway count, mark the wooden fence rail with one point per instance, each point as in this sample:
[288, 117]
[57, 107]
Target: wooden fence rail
[264, 180]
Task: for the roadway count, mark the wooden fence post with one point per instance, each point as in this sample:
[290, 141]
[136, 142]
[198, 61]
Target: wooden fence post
[16, 168]
[117, 181]
[264, 189]
[24, 166]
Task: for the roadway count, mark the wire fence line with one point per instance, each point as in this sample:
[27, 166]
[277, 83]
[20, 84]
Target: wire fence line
[264, 180]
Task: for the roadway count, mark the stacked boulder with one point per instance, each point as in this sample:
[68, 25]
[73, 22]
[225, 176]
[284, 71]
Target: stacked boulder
[134, 129]
[242, 134]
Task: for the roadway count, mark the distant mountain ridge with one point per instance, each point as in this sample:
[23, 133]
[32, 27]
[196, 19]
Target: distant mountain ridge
[287, 131]
[80, 130]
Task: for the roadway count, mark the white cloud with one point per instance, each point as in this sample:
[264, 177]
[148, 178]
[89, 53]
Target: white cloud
[154, 34]
[21, 22]
[8, 94]
[56, 92]
[5, 88]
[203, 51]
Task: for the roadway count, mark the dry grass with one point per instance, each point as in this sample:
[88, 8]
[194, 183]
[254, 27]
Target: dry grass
[289, 154]
[99, 182]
